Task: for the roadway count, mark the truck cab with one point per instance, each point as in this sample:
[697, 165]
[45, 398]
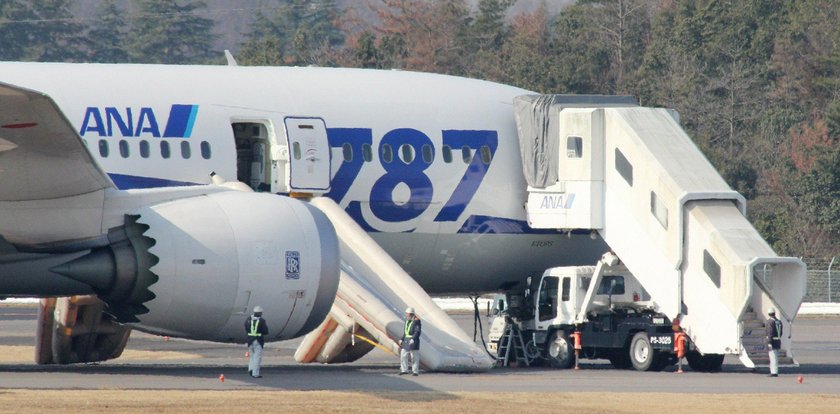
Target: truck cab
[561, 293]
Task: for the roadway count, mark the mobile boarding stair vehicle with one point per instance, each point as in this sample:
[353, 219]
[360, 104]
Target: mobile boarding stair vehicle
[632, 176]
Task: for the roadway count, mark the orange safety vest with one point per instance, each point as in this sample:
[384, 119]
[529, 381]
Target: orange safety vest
[679, 344]
[576, 335]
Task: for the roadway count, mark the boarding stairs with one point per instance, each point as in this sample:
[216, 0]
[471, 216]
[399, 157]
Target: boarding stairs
[754, 342]
[373, 292]
[512, 350]
[631, 175]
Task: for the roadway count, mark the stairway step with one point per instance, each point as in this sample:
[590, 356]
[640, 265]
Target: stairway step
[765, 357]
[753, 340]
[752, 324]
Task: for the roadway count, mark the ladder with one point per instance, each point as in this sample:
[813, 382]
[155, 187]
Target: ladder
[754, 344]
[511, 345]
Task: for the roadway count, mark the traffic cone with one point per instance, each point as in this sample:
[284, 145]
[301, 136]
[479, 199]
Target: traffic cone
[799, 379]
[222, 377]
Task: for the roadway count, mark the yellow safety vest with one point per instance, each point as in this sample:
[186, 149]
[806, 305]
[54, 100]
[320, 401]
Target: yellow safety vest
[255, 323]
[408, 328]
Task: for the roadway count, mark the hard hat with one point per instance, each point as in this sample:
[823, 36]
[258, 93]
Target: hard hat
[409, 310]
[258, 309]
[771, 311]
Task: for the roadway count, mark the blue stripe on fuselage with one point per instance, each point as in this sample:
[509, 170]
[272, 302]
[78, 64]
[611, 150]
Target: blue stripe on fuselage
[180, 122]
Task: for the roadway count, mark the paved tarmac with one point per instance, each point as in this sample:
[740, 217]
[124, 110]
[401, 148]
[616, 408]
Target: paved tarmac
[816, 347]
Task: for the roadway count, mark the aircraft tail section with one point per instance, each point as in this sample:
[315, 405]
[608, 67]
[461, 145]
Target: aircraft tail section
[372, 295]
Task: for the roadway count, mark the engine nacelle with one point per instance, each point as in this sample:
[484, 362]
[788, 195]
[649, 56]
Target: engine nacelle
[195, 267]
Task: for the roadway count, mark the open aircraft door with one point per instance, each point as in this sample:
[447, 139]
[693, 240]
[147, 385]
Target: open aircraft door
[309, 155]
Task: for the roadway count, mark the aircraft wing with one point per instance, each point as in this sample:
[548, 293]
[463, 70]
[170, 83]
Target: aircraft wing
[42, 156]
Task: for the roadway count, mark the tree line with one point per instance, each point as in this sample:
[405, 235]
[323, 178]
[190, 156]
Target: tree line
[756, 82]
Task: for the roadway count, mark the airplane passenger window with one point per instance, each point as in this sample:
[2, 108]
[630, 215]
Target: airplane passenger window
[428, 154]
[296, 150]
[103, 148]
[124, 148]
[406, 153]
[367, 153]
[347, 151]
[205, 150]
[144, 148]
[387, 153]
[164, 149]
[466, 154]
[186, 153]
[486, 156]
[446, 151]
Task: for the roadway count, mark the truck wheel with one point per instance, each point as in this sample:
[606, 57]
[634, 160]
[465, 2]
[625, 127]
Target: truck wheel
[621, 360]
[660, 361]
[559, 351]
[641, 353]
[704, 363]
[714, 362]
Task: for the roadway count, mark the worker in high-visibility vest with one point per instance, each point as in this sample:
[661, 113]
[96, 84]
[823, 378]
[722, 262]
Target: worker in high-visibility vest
[773, 328]
[679, 345]
[410, 343]
[256, 329]
[577, 337]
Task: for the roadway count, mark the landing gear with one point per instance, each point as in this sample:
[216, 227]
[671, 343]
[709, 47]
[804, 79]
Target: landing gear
[559, 351]
[75, 330]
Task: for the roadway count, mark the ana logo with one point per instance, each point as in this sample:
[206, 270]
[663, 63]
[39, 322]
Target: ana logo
[292, 265]
[556, 201]
[107, 121]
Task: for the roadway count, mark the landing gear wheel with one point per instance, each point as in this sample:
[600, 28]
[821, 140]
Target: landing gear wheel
[641, 352]
[559, 351]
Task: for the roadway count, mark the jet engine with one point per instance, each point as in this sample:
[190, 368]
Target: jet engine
[195, 267]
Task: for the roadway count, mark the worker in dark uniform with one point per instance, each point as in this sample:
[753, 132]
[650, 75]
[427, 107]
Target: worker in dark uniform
[410, 343]
[773, 327]
[256, 328]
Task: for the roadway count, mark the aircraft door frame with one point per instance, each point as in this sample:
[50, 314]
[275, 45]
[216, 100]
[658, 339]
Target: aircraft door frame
[257, 138]
[309, 154]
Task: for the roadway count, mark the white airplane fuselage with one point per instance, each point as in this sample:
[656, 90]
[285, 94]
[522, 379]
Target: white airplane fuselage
[428, 164]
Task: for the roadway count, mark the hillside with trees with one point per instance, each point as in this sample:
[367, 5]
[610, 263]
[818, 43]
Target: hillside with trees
[757, 83]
